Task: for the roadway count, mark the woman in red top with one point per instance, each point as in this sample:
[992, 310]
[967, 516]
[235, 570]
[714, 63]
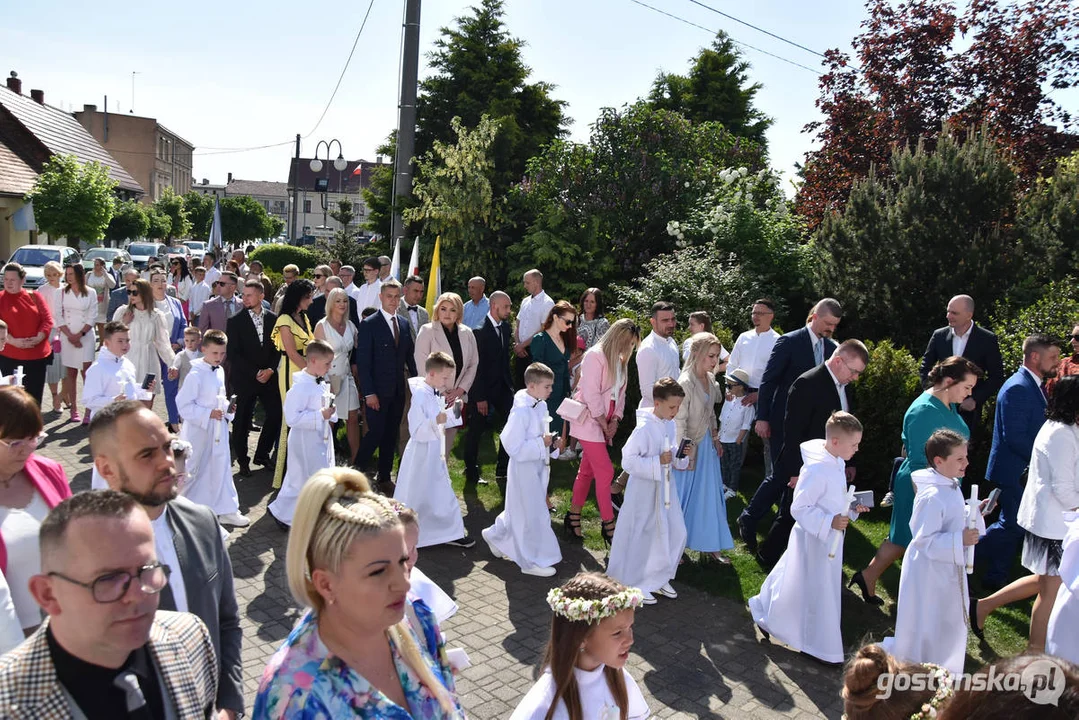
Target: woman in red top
[28, 323]
[1069, 365]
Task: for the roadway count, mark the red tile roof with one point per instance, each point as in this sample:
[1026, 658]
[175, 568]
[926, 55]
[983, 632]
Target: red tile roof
[16, 177]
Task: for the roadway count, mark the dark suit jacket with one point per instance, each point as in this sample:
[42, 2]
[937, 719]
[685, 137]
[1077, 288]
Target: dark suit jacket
[207, 573]
[117, 298]
[317, 310]
[493, 378]
[382, 366]
[811, 401]
[982, 350]
[246, 357]
[791, 356]
[1019, 416]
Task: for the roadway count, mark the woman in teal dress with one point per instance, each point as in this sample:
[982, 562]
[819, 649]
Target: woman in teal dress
[952, 381]
[552, 346]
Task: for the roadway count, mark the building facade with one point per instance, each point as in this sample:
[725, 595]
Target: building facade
[273, 196]
[316, 195]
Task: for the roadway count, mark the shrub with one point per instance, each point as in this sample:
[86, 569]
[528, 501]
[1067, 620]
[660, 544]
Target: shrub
[882, 395]
[1055, 313]
[276, 256]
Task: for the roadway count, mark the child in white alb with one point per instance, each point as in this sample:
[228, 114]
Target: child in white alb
[423, 479]
[799, 602]
[651, 532]
[931, 619]
[309, 415]
[735, 419]
[203, 405]
[181, 364]
[522, 531]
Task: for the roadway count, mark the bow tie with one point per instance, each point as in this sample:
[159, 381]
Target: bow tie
[320, 379]
[536, 403]
[215, 368]
[413, 308]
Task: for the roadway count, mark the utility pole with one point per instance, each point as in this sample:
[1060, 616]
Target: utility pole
[406, 124]
[133, 74]
[295, 190]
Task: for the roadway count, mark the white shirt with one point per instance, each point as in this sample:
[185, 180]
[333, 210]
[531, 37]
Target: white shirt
[959, 342]
[597, 703]
[657, 358]
[200, 293]
[259, 321]
[19, 528]
[534, 310]
[751, 352]
[366, 295]
[733, 418]
[11, 635]
[212, 276]
[839, 389]
[166, 554]
[391, 321]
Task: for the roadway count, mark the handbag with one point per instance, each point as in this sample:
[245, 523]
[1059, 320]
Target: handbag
[573, 411]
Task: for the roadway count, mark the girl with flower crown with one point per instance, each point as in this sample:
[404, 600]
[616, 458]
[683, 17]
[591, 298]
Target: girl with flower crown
[584, 675]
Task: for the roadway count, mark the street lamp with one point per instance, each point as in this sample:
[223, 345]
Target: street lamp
[316, 166]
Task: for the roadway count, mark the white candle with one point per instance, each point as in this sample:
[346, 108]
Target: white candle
[837, 535]
[972, 522]
[666, 475]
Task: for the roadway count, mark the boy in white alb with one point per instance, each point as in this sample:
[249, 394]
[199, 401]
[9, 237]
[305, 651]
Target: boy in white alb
[203, 405]
[310, 416]
[799, 602]
[522, 531]
[181, 364]
[423, 480]
[111, 377]
[735, 419]
[931, 619]
[651, 533]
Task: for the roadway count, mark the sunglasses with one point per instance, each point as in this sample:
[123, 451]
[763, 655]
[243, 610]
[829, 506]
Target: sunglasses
[319, 275]
[132, 291]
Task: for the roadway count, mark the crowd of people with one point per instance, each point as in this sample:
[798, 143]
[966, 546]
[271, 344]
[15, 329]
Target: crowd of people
[219, 343]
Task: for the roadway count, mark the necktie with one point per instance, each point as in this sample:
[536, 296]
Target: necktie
[818, 352]
[136, 702]
[168, 600]
[396, 332]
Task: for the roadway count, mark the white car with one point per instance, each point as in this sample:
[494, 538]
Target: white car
[33, 259]
[141, 252]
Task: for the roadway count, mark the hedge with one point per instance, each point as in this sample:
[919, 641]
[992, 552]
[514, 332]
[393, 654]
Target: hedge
[276, 256]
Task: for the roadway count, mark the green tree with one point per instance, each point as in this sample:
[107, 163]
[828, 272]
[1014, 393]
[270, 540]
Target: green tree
[244, 219]
[1047, 226]
[130, 221]
[73, 202]
[200, 213]
[378, 195]
[455, 201]
[345, 214]
[172, 206]
[160, 224]
[274, 226]
[717, 88]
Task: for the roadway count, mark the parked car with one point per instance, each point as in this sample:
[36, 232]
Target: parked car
[106, 254]
[33, 259]
[197, 247]
[179, 251]
[141, 253]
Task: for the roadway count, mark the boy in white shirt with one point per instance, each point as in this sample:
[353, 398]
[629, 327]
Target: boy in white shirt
[735, 420]
[423, 480]
[205, 409]
[522, 531]
[310, 417]
[181, 364]
[200, 292]
[651, 532]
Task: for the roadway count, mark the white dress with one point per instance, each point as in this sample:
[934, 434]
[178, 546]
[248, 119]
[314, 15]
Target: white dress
[441, 604]
[651, 533]
[341, 380]
[77, 311]
[149, 333]
[1061, 640]
[522, 531]
[209, 467]
[423, 481]
[52, 296]
[597, 702]
[310, 440]
[799, 603]
[101, 286]
[11, 634]
[931, 618]
[20, 528]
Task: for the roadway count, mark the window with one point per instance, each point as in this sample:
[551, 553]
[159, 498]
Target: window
[307, 206]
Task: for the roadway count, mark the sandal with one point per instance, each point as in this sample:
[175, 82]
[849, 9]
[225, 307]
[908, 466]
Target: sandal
[571, 523]
[608, 531]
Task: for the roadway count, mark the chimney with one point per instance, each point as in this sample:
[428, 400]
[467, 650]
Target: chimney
[229, 180]
[14, 84]
[38, 96]
[378, 160]
[205, 181]
[89, 108]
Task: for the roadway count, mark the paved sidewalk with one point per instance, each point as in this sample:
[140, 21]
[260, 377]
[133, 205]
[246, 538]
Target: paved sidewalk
[694, 657]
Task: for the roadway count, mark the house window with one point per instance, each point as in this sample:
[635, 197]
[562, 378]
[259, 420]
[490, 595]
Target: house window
[307, 206]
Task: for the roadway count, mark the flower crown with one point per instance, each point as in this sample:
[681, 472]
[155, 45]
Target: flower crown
[944, 691]
[590, 611]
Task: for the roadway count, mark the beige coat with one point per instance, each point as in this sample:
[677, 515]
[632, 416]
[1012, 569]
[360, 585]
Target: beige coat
[432, 338]
[696, 417]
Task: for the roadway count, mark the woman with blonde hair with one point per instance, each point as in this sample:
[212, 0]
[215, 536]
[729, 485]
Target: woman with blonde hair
[602, 390]
[447, 333]
[354, 652]
[336, 329]
[52, 292]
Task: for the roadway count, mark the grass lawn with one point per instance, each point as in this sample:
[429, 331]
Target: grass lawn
[1005, 631]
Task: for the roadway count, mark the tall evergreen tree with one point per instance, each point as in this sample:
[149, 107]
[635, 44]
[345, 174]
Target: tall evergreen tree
[716, 89]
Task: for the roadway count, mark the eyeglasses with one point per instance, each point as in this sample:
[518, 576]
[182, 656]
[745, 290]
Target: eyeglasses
[855, 374]
[113, 586]
[367, 270]
[318, 275]
[570, 322]
[24, 444]
[761, 312]
[132, 291]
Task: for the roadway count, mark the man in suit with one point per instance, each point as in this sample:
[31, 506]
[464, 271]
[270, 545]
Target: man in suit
[252, 358]
[384, 357]
[317, 309]
[963, 337]
[792, 355]
[106, 650]
[416, 315]
[120, 297]
[216, 311]
[812, 399]
[1019, 416]
[491, 396]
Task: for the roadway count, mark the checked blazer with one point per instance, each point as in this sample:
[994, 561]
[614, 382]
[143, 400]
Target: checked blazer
[182, 654]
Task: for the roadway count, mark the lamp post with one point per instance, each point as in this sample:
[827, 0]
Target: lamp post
[339, 165]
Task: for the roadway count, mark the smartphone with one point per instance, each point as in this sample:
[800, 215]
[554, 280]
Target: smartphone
[990, 506]
[683, 448]
[232, 406]
[148, 381]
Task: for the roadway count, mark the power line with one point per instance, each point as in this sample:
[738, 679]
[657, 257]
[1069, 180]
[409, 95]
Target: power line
[343, 70]
[758, 29]
[713, 32]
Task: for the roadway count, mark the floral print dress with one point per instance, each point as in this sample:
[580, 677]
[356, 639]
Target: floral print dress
[304, 681]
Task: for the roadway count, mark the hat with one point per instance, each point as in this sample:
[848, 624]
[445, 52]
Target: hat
[737, 377]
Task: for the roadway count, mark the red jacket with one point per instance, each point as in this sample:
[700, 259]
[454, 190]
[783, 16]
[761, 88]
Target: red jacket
[49, 479]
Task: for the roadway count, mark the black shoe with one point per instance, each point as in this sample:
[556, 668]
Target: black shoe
[245, 470]
[616, 501]
[481, 481]
[284, 526]
[607, 531]
[172, 429]
[764, 562]
[571, 523]
[767, 637]
[973, 611]
[465, 542]
[857, 579]
[263, 460]
[748, 535]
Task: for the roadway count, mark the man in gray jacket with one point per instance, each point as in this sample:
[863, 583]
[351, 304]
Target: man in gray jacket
[133, 451]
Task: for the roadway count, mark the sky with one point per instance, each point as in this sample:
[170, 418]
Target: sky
[240, 74]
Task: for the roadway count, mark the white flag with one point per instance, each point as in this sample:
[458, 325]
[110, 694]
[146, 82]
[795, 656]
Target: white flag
[414, 261]
[395, 264]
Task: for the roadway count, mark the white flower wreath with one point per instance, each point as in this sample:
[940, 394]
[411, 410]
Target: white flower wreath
[590, 611]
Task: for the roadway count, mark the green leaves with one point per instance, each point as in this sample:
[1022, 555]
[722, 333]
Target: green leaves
[129, 222]
[200, 213]
[72, 201]
[172, 206]
[244, 219]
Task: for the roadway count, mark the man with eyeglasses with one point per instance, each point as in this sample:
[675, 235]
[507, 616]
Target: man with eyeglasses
[106, 651]
[367, 294]
[216, 311]
[750, 353]
[813, 397]
[136, 455]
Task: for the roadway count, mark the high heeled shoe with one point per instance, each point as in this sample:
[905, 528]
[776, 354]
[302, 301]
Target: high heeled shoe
[571, 524]
[973, 611]
[607, 531]
[857, 579]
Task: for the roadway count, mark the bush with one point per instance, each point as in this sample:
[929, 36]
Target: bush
[1055, 313]
[276, 256]
[882, 395]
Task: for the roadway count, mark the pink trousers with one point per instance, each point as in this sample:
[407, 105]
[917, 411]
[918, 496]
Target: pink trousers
[595, 464]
